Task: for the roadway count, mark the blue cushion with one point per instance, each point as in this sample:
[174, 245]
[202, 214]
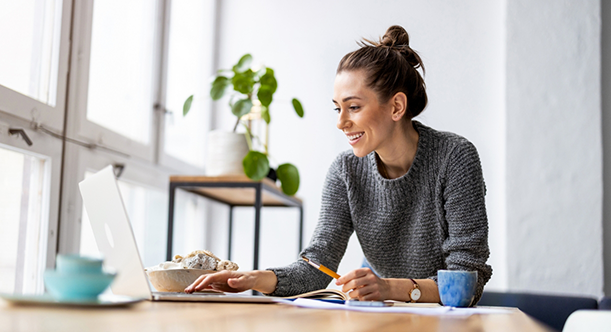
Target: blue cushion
[552, 310]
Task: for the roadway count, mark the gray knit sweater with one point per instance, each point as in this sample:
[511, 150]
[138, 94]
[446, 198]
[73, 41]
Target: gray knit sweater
[431, 218]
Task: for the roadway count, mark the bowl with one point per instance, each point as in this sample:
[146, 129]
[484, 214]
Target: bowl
[175, 280]
[77, 286]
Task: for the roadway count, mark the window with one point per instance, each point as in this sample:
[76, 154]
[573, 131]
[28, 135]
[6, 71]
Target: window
[30, 30]
[24, 199]
[35, 45]
[147, 211]
[121, 67]
[189, 70]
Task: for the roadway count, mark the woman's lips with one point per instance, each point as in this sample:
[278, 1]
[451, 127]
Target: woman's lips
[355, 138]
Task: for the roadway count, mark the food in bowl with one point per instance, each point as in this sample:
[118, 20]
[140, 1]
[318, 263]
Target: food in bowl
[176, 275]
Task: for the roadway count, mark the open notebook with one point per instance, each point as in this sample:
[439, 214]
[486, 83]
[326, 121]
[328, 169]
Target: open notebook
[329, 294]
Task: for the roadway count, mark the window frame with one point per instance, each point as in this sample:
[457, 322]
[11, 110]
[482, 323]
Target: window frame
[28, 108]
[48, 148]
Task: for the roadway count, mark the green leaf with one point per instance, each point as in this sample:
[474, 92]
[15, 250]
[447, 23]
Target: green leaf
[265, 114]
[244, 82]
[269, 80]
[243, 64]
[241, 107]
[187, 105]
[289, 178]
[256, 165]
[219, 86]
[265, 95]
[298, 108]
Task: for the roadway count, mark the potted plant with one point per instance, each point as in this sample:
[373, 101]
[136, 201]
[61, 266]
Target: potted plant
[252, 93]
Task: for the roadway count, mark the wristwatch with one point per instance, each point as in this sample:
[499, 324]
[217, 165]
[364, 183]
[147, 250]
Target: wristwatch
[415, 293]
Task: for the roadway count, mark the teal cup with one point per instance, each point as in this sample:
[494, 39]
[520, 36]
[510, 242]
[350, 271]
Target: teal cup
[77, 278]
[456, 288]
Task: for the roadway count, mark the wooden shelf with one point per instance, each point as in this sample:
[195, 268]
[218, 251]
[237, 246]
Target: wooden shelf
[218, 188]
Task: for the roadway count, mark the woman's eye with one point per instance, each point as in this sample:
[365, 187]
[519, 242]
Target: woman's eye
[354, 108]
[336, 110]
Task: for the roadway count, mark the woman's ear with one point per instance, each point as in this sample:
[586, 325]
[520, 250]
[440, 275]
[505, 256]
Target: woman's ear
[399, 106]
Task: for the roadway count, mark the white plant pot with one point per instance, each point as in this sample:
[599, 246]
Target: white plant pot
[226, 150]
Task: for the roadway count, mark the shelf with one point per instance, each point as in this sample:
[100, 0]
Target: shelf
[236, 190]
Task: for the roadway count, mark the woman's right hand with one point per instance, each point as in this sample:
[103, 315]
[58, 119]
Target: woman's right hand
[235, 282]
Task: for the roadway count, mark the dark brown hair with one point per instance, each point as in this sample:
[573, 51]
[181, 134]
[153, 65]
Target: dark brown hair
[391, 67]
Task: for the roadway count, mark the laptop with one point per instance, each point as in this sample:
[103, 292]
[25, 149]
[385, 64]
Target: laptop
[115, 239]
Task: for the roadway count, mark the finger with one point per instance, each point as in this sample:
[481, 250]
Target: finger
[202, 284]
[359, 282]
[352, 275]
[223, 288]
[219, 277]
[191, 287]
[366, 293]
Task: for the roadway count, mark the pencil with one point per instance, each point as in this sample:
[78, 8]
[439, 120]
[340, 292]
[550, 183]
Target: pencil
[322, 268]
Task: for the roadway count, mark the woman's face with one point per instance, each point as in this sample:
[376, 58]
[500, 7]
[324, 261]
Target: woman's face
[365, 122]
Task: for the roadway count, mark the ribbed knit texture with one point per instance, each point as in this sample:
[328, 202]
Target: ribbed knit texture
[431, 218]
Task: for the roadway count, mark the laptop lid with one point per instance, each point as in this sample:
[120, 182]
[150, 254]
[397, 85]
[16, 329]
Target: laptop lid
[113, 233]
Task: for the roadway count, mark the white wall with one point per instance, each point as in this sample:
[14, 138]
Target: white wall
[519, 78]
[554, 152]
[606, 137]
[462, 46]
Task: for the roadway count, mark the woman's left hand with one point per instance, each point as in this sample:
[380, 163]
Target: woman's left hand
[364, 285]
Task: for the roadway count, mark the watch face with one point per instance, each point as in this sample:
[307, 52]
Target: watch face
[415, 294]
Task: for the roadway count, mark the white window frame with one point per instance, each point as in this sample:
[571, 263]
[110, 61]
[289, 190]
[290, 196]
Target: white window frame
[165, 159]
[144, 165]
[90, 131]
[27, 108]
[84, 160]
[48, 148]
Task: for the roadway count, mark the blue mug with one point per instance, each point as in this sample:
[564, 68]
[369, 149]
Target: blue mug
[77, 278]
[456, 288]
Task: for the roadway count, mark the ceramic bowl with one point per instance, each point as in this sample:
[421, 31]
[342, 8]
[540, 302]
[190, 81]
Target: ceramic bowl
[77, 286]
[175, 280]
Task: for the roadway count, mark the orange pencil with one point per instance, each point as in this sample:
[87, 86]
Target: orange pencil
[322, 268]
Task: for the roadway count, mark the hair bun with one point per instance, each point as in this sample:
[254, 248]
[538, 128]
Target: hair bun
[396, 37]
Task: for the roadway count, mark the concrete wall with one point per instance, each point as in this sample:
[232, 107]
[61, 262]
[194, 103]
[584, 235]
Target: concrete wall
[554, 153]
[517, 78]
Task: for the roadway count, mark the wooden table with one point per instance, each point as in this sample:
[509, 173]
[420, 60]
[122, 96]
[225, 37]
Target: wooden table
[183, 316]
[234, 190]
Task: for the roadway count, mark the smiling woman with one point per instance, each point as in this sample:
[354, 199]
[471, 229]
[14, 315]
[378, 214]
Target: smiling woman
[414, 196]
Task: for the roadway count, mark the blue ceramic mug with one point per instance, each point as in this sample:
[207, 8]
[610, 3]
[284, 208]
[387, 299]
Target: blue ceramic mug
[456, 288]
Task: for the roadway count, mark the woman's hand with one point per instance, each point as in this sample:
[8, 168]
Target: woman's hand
[226, 281]
[235, 282]
[364, 285]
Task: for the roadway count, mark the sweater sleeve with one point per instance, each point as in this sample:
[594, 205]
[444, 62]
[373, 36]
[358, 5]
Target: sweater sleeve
[466, 244]
[328, 243]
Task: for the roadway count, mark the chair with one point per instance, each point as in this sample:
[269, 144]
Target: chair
[588, 321]
[552, 310]
[605, 303]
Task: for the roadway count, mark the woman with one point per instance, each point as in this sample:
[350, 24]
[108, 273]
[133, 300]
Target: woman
[413, 195]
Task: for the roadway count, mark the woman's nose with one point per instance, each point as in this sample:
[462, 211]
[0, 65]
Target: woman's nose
[342, 120]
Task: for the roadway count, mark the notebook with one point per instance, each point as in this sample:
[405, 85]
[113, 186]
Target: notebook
[115, 240]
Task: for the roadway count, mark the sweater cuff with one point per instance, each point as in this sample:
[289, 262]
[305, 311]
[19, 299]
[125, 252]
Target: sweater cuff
[281, 282]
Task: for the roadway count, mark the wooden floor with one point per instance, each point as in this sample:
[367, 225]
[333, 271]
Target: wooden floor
[166, 316]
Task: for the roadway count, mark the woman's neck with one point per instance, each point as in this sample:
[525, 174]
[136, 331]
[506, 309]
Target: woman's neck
[398, 152]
